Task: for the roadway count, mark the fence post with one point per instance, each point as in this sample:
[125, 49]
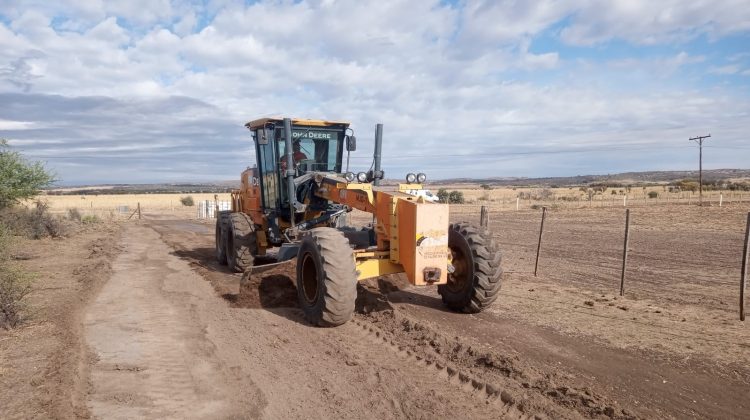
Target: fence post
[625, 252]
[743, 277]
[539, 245]
[484, 218]
[139, 211]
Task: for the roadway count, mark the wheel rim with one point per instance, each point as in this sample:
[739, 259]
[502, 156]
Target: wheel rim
[310, 284]
[460, 276]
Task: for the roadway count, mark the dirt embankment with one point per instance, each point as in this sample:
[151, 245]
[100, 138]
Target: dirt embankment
[43, 363]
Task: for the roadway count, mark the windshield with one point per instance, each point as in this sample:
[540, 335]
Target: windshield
[313, 150]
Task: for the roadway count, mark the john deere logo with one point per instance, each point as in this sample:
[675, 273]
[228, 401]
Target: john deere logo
[315, 135]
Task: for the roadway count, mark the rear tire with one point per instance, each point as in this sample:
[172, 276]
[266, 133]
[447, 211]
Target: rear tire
[241, 242]
[475, 283]
[221, 227]
[326, 277]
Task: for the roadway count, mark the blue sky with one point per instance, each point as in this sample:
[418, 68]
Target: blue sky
[158, 91]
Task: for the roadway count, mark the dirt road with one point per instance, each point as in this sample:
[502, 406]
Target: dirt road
[173, 336]
[166, 345]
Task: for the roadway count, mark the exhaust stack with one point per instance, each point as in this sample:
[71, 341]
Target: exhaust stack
[377, 157]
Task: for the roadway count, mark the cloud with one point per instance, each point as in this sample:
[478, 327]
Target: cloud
[647, 22]
[131, 91]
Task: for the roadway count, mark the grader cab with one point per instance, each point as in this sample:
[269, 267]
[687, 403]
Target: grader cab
[294, 202]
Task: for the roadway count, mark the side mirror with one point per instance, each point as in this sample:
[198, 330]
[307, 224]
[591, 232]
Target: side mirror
[351, 143]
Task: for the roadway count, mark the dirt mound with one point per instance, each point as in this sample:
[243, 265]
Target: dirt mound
[270, 289]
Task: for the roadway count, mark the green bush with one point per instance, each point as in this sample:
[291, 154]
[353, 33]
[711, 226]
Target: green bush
[187, 201]
[485, 187]
[456, 197]
[443, 195]
[653, 194]
[20, 179]
[89, 219]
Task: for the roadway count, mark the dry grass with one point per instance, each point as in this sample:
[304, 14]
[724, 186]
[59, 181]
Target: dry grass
[505, 197]
[109, 206]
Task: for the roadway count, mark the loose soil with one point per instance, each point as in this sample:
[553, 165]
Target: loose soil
[172, 334]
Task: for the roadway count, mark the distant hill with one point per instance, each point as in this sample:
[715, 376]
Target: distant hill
[632, 178]
[655, 177]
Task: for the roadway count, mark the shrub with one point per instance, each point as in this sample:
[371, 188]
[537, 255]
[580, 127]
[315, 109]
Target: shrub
[90, 219]
[443, 195]
[545, 194]
[653, 194]
[34, 223]
[15, 285]
[187, 201]
[20, 179]
[456, 197]
[485, 187]
[74, 214]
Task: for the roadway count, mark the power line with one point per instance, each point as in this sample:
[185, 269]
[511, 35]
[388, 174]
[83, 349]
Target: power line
[699, 140]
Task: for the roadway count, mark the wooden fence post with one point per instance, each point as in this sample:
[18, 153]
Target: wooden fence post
[743, 277]
[625, 252]
[539, 245]
[139, 211]
[484, 218]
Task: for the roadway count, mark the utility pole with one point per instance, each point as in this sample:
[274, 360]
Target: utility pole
[699, 140]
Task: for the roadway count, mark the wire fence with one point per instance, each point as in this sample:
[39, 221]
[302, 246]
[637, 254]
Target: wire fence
[532, 200]
[692, 255]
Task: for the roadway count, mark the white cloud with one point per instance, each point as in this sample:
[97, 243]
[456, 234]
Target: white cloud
[441, 77]
[650, 22]
[728, 69]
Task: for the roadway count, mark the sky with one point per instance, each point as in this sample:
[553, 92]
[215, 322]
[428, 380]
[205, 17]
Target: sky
[145, 91]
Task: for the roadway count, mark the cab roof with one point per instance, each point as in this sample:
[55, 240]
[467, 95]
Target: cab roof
[295, 121]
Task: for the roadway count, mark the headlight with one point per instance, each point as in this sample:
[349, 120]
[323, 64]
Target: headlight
[410, 178]
[349, 177]
[421, 177]
[362, 177]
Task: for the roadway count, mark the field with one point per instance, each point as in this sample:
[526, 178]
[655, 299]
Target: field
[121, 205]
[562, 344]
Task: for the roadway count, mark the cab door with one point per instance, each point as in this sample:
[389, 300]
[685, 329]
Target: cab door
[267, 165]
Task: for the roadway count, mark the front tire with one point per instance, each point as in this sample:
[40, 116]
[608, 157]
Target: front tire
[326, 277]
[241, 242]
[476, 259]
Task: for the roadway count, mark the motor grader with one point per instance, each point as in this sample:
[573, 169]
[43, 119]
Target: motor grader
[294, 204]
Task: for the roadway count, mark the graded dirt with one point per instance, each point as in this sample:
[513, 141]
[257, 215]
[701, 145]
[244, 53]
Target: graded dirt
[172, 334]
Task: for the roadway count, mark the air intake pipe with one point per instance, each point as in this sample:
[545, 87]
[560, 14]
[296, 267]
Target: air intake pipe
[290, 169]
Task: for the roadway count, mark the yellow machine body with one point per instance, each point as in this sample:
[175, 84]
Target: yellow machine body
[411, 233]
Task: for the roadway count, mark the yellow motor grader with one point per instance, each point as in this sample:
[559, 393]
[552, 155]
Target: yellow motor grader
[294, 202]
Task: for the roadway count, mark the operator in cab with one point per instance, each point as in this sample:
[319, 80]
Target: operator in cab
[298, 155]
